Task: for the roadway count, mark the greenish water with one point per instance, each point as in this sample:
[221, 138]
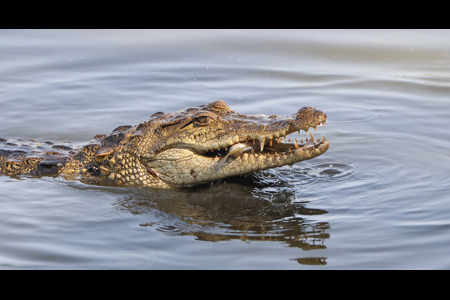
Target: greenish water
[378, 199]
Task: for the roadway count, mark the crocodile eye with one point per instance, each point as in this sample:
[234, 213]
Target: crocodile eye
[205, 118]
[202, 120]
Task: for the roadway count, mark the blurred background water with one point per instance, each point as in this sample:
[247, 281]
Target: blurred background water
[378, 199]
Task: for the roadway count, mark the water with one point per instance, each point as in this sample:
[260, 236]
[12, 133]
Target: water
[378, 199]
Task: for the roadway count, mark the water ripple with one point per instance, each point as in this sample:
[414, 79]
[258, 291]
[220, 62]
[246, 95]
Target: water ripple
[322, 172]
[350, 112]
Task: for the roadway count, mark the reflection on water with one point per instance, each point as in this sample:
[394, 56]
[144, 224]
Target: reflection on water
[243, 208]
[263, 206]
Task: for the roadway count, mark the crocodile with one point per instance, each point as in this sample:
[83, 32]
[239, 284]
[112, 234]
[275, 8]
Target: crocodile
[193, 146]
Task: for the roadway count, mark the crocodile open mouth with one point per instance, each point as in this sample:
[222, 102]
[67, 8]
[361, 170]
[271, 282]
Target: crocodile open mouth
[281, 147]
[274, 146]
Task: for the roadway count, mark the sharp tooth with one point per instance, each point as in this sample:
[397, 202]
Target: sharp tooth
[270, 143]
[261, 144]
[315, 128]
[254, 142]
[312, 137]
[295, 144]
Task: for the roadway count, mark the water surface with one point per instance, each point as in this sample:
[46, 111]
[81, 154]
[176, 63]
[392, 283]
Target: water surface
[377, 199]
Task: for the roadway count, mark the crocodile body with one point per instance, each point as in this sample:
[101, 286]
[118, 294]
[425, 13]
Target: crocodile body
[193, 146]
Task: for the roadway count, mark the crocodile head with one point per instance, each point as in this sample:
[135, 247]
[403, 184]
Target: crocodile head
[211, 142]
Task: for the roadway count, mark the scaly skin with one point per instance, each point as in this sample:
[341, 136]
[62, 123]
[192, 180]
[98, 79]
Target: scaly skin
[193, 146]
